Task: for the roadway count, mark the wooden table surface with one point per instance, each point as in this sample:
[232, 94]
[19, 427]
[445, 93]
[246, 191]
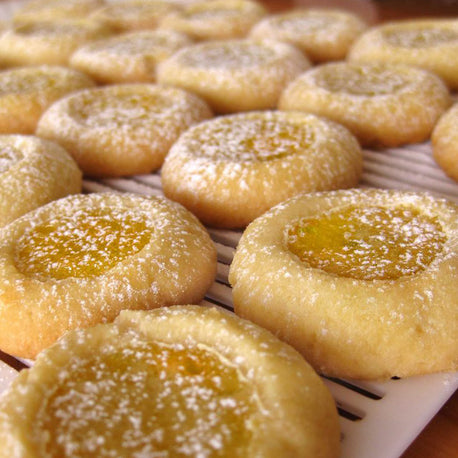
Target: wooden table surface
[439, 439]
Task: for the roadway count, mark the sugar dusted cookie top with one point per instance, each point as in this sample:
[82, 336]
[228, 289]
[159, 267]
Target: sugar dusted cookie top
[181, 381]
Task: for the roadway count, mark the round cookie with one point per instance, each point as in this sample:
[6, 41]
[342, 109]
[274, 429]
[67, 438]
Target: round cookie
[234, 75]
[129, 57]
[180, 381]
[25, 93]
[382, 104]
[33, 172]
[322, 34]
[80, 260]
[445, 142]
[231, 169]
[121, 129]
[55, 10]
[50, 42]
[125, 16]
[428, 43]
[354, 278]
[216, 20]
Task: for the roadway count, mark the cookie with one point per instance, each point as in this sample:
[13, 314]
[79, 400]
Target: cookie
[129, 57]
[445, 142]
[180, 381]
[80, 260]
[121, 130]
[322, 34]
[216, 20]
[382, 104]
[25, 93]
[353, 278]
[55, 10]
[33, 172]
[125, 16]
[234, 75]
[231, 169]
[428, 43]
[47, 42]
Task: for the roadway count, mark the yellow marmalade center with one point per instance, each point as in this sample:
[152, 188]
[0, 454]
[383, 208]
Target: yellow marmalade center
[87, 243]
[360, 80]
[420, 38]
[150, 399]
[368, 243]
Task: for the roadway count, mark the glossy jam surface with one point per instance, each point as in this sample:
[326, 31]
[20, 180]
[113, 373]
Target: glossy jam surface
[368, 243]
[252, 139]
[151, 399]
[360, 80]
[8, 157]
[421, 37]
[86, 244]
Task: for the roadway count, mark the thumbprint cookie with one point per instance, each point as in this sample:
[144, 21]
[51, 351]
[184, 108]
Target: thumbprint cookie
[25, 93]
[382, 104]
[33, 172]
[445, 142]
[233, 168]
[124, 129]
[80, 260]
[234, 75]
[428, 43]
[216, 20]
[129, 57]
[322, 34]
[125, 16]
[183, 381]
[47, 42]
[55, 10]
[362, 282]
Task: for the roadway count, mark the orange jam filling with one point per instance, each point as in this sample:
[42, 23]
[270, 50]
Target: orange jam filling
[150, 399]
[8, 157]
[368, 243]
[254, 140]
[85, 244]
[428, 36]
[356, 80]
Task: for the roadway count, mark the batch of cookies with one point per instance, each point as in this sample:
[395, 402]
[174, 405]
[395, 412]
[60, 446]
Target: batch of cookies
[255, 122]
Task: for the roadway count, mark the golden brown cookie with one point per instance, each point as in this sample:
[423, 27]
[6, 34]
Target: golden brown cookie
[322, 34]
[382, 104]
[47, 42]
[80, 260]
[124, 16]
[428, 43]
[121, 129]
[25, 93]
[55, 10]
[129, 57]
[33, 172]
[216, 20]
[362, 282]
[234, 75]
[445, 142]
[231, 169]
[180, 381]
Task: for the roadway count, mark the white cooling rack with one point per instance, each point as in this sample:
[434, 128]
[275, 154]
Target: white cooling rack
[378, 420]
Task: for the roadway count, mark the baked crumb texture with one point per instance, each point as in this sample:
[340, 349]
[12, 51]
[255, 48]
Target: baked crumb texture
[78, 261]
[362, 282]
[183, 381]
